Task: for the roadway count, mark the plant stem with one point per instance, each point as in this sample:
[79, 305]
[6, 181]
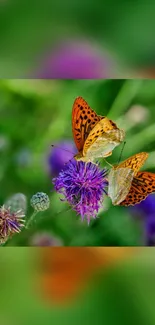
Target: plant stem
[31, 219]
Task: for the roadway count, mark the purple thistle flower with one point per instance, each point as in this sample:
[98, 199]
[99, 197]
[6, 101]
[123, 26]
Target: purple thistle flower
[82, 186]
[10, 223]
[146, 211]
[60, 155]
[76, 59]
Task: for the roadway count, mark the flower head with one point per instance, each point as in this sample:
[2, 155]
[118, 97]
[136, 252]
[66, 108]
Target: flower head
[76, 59]
[17, 202]
[60, 155]
[40, 201]
[150, 231]
[146, 207]
[45, 239]
[10, 223]
[146, 211]
[82, 185]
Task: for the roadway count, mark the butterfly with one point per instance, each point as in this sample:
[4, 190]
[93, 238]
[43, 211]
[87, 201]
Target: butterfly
[128, 185]
[95, 136]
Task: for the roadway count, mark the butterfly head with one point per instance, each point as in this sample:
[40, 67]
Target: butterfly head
[79, 156]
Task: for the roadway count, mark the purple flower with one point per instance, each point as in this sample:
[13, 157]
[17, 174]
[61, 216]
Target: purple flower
[146, 211]
[82, 186]
[60, 155]
[45, 239]
[16, 202]
[10, 223]
[145, 207]
[150, 230]
[76, 59]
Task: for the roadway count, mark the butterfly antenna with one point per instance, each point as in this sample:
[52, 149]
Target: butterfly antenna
[54, 146]
[120, 157]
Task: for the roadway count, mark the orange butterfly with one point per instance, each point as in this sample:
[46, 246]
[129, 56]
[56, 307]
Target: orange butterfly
[95, 136]
[142, 183]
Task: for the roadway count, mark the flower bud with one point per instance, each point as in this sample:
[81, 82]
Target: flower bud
[40, 201]
[17, 202]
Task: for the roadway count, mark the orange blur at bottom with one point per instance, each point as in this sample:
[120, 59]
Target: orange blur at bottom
[65, 271]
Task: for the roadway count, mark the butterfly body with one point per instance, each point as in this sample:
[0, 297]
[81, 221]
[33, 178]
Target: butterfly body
[95, 136]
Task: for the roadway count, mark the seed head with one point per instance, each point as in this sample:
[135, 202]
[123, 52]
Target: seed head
[10, 223]
[40, 201]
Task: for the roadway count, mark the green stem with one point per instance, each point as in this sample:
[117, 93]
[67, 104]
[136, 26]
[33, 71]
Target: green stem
[124, 98]
[31, 219]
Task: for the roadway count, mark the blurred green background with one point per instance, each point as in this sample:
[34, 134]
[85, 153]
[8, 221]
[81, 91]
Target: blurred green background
[123, 294]
[29, 32]
[37, 113]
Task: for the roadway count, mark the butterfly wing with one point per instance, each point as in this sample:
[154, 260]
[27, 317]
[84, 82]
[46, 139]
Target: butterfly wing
[135, 162]
[83, 121]
[102, 139]
[142, 185]
[119, 184]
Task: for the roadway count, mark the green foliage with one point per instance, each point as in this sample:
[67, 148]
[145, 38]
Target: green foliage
[36, 113]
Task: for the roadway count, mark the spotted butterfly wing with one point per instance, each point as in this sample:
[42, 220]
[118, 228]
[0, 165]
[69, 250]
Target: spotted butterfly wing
[83, 121]
[142, 185]
[119, 184]
[95, 136]
[135, 162]
[103, 138]
[121, 177]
